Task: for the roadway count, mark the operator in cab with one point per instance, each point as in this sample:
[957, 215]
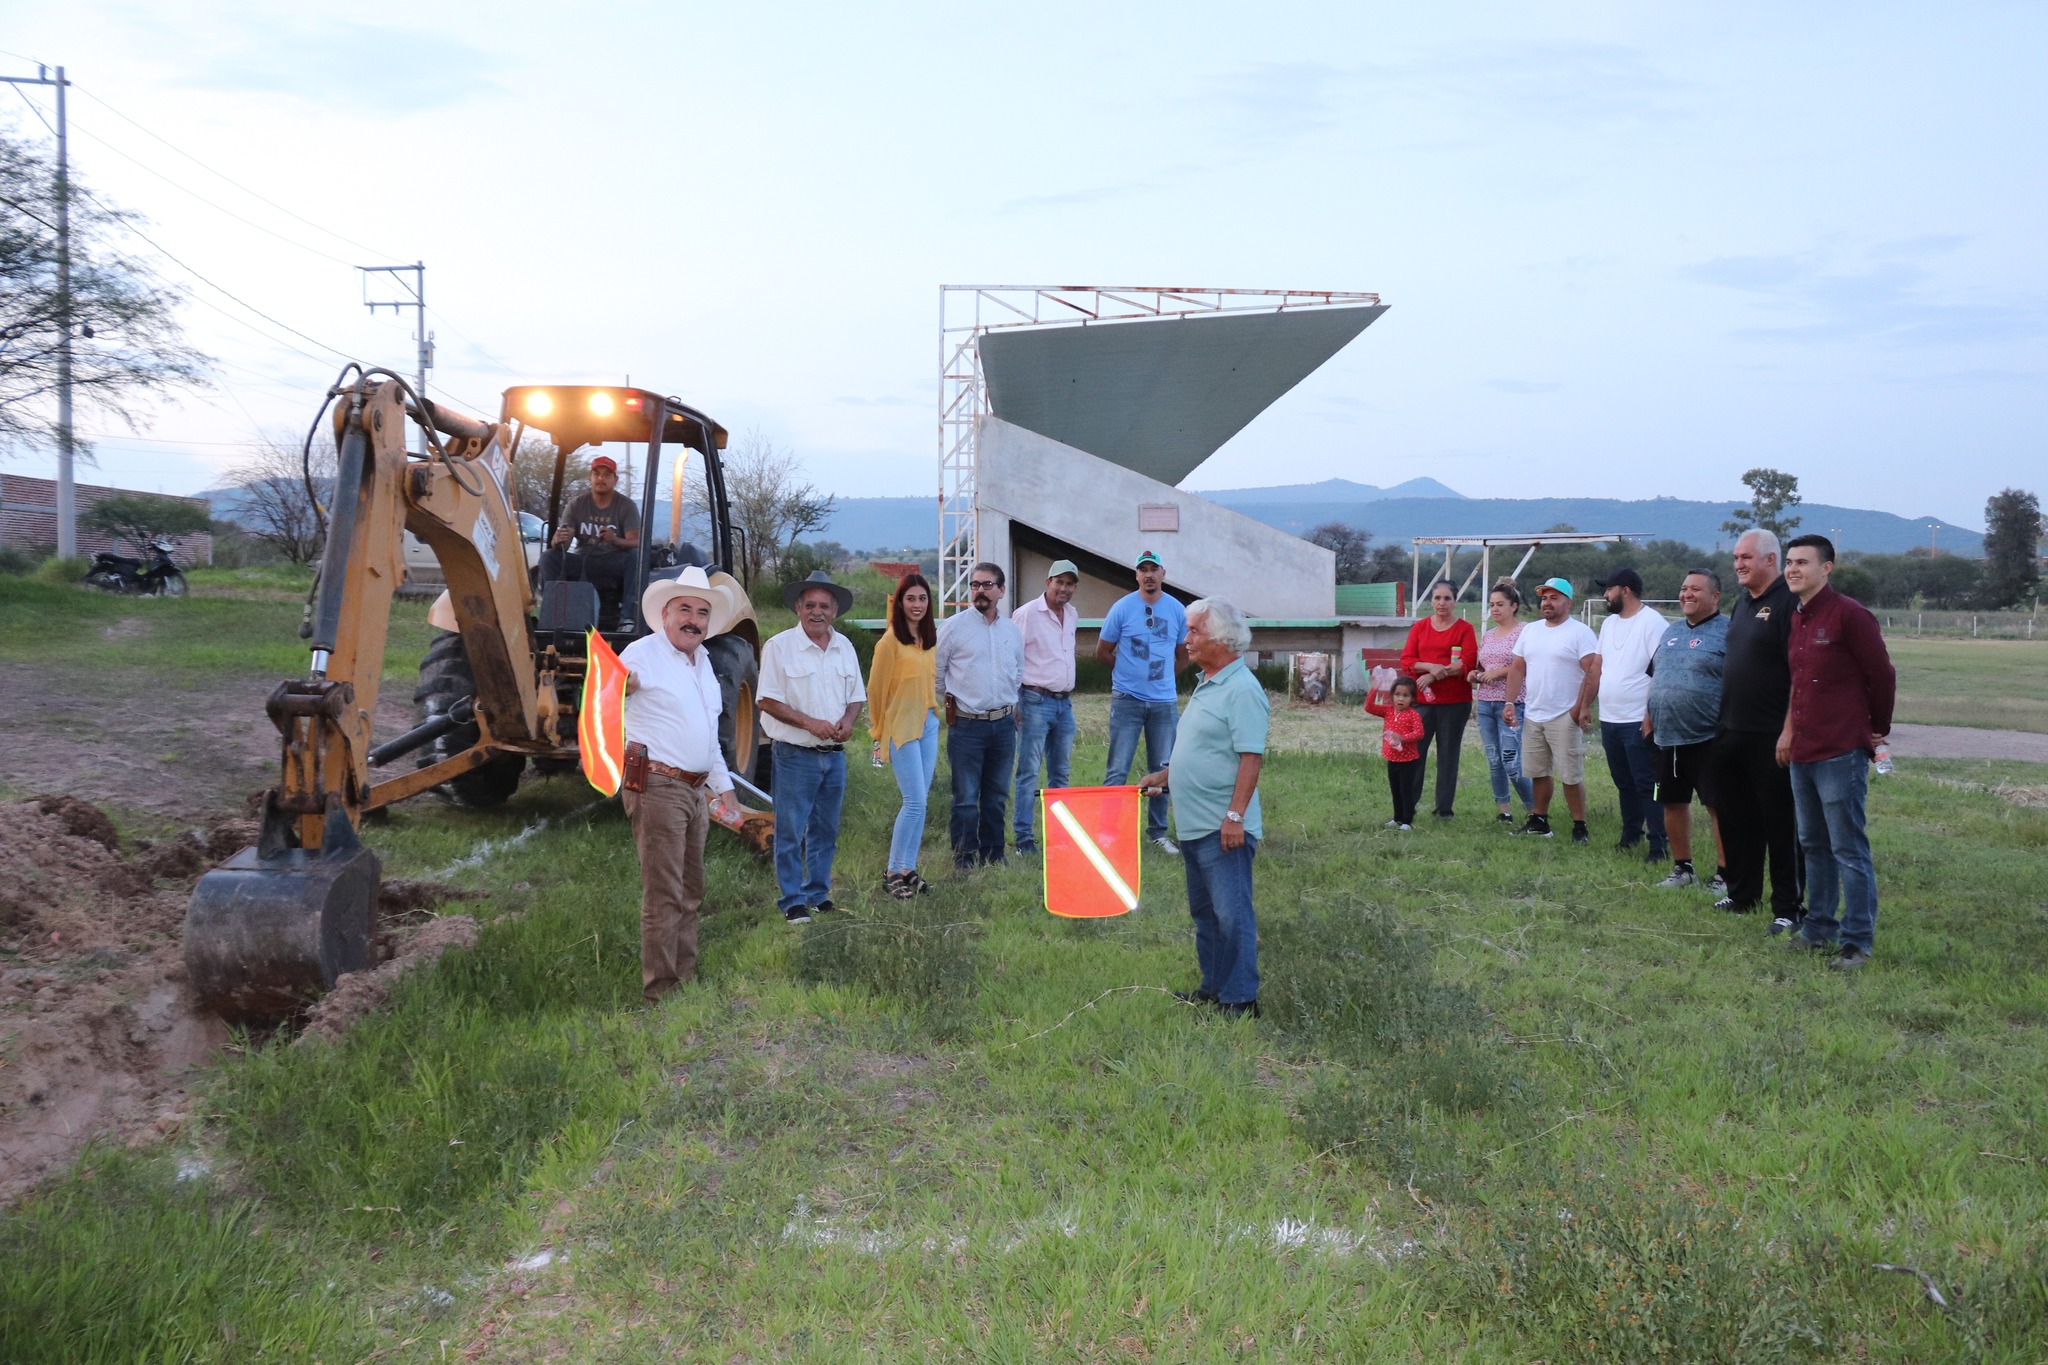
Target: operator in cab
[598, 530]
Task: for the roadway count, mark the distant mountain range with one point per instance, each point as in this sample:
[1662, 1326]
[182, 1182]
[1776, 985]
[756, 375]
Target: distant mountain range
[1424, 507]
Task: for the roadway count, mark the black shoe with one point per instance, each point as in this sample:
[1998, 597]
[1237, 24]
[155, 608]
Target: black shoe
[1729, 904]
[1656, 854]
[1242, 1009]
[1848, 960]
[1579, 833]
[1195, 997]
[797, 914]
[1536, 825]
[1026, 846]
[1780, 925]
[824, 907]
[1508, 820]
[1445, 814]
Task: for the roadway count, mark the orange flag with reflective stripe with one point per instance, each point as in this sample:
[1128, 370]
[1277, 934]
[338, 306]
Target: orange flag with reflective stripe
[1093, 836]
[601, 721]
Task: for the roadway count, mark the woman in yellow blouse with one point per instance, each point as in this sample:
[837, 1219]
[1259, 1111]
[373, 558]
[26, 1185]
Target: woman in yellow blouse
[903, 716]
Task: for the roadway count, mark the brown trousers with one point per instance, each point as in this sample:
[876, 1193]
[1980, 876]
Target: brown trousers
[670, 820]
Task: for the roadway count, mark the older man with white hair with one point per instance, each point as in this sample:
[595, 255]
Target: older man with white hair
[1213, 775]
[1753, 793]
[672, 706]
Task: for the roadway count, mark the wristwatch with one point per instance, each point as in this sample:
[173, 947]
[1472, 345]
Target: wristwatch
[1234, 817]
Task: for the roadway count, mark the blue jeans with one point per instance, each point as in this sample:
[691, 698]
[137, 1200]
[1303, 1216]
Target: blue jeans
[914, 763]
[1829, 798]
[1632, 763]
[809, 787]
[981, 752]
[1226, 929]
[1128, 718]
[1048, 731]
[1503, 745]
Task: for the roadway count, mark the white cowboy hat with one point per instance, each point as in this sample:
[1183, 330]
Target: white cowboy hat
[691, 582]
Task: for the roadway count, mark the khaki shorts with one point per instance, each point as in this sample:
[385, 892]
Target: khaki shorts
[1554, 748]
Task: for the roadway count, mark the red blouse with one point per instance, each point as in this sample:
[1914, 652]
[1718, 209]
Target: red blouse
[1429, 647]
[1401, 741]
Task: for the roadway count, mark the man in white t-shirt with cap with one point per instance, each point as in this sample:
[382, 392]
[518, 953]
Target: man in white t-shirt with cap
[1629, 637]
[672, 706]
[1557, 659]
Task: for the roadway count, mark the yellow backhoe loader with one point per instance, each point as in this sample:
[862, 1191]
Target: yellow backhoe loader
[271, 928]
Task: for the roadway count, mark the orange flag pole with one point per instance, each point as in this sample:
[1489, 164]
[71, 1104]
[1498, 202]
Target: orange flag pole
[601, 720]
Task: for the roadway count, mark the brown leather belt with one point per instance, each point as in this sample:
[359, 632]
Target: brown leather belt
[692, 779]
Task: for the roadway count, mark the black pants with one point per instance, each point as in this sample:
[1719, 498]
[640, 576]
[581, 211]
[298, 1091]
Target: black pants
[1753, 797]
[1404, 781]
[1444, 723]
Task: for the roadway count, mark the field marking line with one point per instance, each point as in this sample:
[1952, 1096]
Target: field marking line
[486, 849]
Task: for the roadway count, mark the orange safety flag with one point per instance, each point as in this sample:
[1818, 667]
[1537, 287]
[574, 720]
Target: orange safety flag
[601, 722]
[1092, 839]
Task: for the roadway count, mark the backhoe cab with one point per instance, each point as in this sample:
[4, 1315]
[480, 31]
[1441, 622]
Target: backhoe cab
[273, 927]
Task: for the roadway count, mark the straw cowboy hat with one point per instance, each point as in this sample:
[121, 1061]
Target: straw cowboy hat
[792, 593]
[691, 582]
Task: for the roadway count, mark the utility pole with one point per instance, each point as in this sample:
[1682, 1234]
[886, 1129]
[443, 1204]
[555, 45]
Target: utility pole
[417, 286]
[67, 499]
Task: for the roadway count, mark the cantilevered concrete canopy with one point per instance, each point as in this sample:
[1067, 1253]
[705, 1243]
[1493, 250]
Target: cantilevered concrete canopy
[1158, 397]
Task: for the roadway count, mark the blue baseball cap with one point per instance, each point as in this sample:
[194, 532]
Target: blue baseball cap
[1561, 586]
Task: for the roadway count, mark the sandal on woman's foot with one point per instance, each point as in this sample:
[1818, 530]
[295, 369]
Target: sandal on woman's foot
[899, 885]
[918, 885]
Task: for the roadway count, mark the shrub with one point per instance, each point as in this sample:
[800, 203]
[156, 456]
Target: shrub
[914, 950]
[63, 572]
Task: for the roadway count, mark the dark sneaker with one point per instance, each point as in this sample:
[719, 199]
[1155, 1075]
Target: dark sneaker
[1780, 925]
[1026, 846]
[1848, 960]
[1717, 885]
[797, 914]
[1536, 825]
[1679, 877]
[1241, 1009]
[1580, 834]
[1195, 997]
[823, 908]
[1729, 904]
[1508, 820]
[1657, 855]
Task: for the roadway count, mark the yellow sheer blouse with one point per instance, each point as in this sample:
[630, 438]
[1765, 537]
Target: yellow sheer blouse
[900, 683]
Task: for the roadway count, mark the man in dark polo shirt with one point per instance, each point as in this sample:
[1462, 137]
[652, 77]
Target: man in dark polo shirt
[1843, 686]
[1754, 793]
[604, 525]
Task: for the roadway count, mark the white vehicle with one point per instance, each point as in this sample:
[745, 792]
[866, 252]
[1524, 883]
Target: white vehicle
[422, 568]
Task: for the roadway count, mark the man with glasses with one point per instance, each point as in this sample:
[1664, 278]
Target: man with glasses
[1144, 640]
[979, 665]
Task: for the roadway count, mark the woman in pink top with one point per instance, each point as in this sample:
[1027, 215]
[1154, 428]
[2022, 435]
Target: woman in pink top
[1501, 741]
[1442, 648]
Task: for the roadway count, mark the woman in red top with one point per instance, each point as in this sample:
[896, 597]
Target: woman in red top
[1442, 648]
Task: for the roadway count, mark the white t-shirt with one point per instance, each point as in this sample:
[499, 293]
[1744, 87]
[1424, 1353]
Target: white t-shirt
[1627, 644]
[1553, 655]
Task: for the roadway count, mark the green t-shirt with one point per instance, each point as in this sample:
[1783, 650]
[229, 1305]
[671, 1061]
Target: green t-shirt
[1226, 717]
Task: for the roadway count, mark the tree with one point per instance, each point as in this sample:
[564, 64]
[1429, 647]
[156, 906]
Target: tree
[126, 341]
[2012, 548]
[1771, 493]
[272, 502]
[533, 475]
[1351, 546]
[140, 518]
[770, 502]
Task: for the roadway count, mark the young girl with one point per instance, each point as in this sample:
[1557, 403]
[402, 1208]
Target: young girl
[1401, 747]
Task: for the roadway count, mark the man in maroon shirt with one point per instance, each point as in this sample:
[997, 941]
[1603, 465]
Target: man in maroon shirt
[1843, 685]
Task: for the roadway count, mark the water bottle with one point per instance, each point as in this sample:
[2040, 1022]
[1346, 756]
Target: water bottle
[1883, 758]
[875, 755]
[1458, 661]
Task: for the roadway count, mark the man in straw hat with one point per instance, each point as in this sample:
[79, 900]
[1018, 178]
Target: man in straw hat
[811, 694]
[672, 706]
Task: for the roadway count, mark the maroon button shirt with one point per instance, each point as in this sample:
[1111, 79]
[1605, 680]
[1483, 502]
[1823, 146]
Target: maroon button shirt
[1843, 683]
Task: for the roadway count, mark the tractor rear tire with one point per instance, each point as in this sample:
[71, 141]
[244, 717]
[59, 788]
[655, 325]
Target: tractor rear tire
[739, 723]
[445, 679]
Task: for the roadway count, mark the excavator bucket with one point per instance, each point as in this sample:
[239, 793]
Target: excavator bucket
[269, 930]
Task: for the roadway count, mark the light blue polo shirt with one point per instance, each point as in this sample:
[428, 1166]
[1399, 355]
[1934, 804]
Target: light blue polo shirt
[1146, 636]
[1226, 717]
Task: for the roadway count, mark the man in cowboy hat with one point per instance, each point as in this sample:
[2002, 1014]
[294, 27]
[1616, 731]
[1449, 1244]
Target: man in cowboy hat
[672, 706]
[811, 694]
[604, 525]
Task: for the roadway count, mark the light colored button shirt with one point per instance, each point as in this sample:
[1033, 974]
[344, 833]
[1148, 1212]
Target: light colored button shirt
[980, 662]
[674, 711]
[1048, 644]
[1627, 644]
[1226, 717]
[820, 683]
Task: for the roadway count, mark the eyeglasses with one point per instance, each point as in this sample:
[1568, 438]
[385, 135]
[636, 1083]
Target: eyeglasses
[982, 584]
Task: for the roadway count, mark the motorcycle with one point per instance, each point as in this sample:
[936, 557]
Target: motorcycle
[118, 573]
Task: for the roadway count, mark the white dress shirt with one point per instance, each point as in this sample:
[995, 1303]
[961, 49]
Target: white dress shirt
[820, 683]
[674, 711]
[1048, 644]
[978, 661]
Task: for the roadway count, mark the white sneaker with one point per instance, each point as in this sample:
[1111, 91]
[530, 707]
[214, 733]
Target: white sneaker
[1393, 824]
[1717, 886]
[1407, 829]
[1679, 877]
[1167, 846]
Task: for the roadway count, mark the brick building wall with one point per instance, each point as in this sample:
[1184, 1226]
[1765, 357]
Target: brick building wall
[28, 521]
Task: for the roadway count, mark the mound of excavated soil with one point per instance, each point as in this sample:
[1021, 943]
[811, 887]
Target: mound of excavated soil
[98, 1037]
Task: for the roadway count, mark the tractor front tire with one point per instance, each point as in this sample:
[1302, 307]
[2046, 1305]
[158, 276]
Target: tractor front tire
[445, 679]
[739, 723]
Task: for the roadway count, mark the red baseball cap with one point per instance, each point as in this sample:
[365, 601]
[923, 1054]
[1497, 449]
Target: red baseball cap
[604, 462]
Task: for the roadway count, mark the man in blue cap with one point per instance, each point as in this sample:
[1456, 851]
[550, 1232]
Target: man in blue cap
[1558, 661]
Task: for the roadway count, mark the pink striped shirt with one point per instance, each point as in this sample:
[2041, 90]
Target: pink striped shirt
[1048, 644]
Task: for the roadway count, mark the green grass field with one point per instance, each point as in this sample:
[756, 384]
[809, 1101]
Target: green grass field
[1990, 684]
[1507, 1104]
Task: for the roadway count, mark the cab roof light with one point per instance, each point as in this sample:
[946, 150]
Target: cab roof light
[601, 404]
[538, 403]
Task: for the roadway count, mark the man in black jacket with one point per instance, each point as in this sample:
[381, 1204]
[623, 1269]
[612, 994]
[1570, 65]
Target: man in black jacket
[1754, 792]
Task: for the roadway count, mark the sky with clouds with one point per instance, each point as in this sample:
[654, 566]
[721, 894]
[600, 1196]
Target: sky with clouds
[1630, 250]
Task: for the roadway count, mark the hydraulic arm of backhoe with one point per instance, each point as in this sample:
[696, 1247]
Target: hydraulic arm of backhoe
[273, 927]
